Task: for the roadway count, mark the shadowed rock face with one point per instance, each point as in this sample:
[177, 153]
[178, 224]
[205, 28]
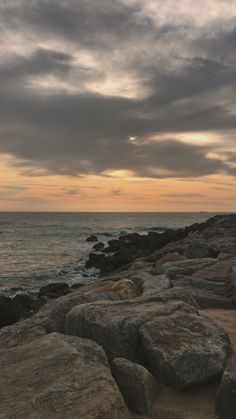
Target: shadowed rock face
[138, 386]
[59, 377]
[226, 395]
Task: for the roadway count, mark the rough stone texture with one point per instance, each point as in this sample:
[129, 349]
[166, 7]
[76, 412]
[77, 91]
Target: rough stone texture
[175, 294]
[226, 394]
[150, 284]
[110, 291]
[218, 271]
[51, 317]
[22, 332]
[168, 257]
[208, 294]
[185, 267]
[58, 377]
[200, 249]
[115, 325]
[184, 349]
[138, 386]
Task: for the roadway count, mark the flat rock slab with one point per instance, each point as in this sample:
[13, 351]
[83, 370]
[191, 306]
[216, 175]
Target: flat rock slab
[138, 386]
[185, 267]
[58, 377]
[184, 349]
[226, 394]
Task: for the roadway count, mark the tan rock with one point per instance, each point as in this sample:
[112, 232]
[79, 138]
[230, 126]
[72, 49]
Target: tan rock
[58, 377]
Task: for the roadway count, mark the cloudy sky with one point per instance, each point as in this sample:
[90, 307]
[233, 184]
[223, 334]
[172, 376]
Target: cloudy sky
[121, 105]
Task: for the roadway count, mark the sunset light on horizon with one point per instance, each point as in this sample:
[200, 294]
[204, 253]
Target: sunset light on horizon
[117, 105]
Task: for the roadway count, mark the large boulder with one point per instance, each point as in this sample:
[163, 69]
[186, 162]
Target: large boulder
[115, 325]
[105, 291]
[226, 394]
[59, 377]
[51, 317]
[138, 386]
[184, 349]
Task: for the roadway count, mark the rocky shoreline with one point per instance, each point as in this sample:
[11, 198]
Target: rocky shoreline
[155, 337]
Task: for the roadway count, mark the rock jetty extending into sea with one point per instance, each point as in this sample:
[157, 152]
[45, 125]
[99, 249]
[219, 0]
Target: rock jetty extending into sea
[154, 337]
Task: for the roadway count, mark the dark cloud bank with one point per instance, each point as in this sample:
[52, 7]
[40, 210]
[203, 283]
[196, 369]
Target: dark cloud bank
[184, 74]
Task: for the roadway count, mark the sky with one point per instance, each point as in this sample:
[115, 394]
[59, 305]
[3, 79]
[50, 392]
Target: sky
[117, 105]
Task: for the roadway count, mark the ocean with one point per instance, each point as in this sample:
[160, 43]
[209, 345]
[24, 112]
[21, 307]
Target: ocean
[39, 248]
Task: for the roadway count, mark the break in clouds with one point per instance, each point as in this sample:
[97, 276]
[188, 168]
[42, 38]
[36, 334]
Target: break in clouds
[93, 86]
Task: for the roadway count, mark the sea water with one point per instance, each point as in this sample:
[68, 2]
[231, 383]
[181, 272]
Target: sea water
[39, 248]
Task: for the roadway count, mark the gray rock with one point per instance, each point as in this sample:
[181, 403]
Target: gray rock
[138, 386]
[51, 317]
[185, 267]
[200, 249]
[226, 394]
[115, 325]
[149, 284]
[184, 349]
[208, 294]
[175, 294]
[58, 377]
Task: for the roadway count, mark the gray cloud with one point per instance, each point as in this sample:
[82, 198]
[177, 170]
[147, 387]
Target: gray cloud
[184, 81]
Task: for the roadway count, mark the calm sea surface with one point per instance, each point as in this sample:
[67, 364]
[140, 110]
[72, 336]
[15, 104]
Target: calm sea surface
[38, 248]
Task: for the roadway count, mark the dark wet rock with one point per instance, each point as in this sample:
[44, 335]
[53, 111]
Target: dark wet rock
[113, 246]
[184, 349]
[226, 394]
[92, 239]
[98, 246]
[138, 386]
[151, 284]
[13, 309]
[200, 249]
[115, 325]
[54, 290]
[107, 264]
[130, 247]
[76, 286]
[58, 376]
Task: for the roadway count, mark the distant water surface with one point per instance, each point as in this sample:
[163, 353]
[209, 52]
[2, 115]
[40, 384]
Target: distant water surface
[38, 248]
